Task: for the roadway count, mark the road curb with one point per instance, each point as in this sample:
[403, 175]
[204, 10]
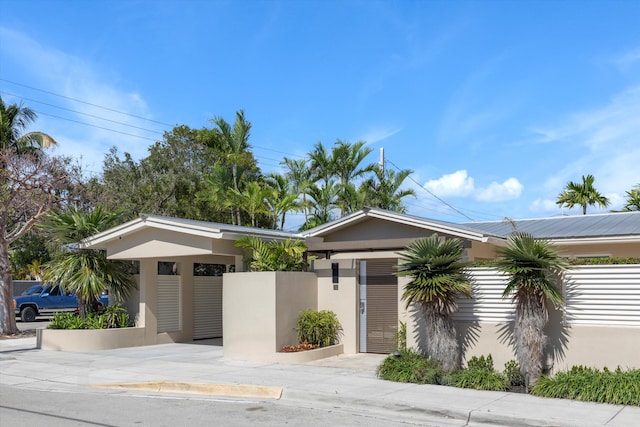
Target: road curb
[227, 390]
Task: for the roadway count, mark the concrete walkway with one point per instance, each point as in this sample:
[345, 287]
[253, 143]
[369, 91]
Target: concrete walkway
[344, 383]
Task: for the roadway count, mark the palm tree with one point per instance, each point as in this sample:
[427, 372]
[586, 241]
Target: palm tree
[322, 165]
[346, 160]
[533, 266]
[231, 143]
[284, 200]
[252, 200]
[323, 201]
[583, 194]
[14, 119]
[87, 272]
[287, 255]
[383, 191]
[298, 174]
[633, 199]
[438, 278]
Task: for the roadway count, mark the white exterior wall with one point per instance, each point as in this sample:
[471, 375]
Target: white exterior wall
[599, 327]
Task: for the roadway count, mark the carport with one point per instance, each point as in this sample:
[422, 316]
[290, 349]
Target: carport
[181, 262]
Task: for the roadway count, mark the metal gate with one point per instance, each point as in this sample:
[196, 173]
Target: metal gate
[378, 306]
[207, 307]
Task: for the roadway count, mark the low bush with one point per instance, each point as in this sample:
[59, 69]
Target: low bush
[480, 375]
[592, 385]
[409, 366]
[513, 374]
[114, 316]
[318, 327]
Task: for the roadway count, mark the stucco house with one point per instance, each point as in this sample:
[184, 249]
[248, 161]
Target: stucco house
[182, 297]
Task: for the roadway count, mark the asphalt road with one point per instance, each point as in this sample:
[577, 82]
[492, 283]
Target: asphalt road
[22, 407]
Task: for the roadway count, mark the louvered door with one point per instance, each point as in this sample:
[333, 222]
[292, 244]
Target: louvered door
[380, 318]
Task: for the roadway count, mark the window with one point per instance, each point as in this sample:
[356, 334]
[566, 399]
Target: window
[200, 269]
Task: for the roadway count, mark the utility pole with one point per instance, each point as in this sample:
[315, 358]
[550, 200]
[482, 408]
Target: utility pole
[382, 160]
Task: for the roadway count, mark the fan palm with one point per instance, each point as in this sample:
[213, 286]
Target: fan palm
[87, 272]
[437, 278]
[582, 194]
[14, 119]
[532, 265]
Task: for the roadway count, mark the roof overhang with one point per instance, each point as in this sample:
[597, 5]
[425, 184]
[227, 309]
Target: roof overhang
[422, 223]
[151, 236]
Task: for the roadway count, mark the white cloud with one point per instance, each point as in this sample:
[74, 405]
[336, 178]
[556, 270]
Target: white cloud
[457, 184]
[544, 206]
[460, 184]
[378, 134]
[602, 142]
[88, 135]
[497, 192]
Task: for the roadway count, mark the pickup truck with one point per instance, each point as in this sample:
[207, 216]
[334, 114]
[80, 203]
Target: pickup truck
[45, 300]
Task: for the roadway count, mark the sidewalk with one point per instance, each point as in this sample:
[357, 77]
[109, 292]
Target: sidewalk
[343, 383]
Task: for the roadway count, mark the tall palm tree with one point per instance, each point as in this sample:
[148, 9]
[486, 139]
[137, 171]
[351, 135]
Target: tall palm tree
[14, 120]
[438, 278]
[87, 272]
[252, 200]
[231, 143]
[298, 173]
[347, 158]
[533, 266]
[582, 194]
[323, 201]
[384, 189]
[322, 165]
[284, 199]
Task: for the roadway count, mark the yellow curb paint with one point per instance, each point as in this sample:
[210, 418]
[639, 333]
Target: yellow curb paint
[233, 390]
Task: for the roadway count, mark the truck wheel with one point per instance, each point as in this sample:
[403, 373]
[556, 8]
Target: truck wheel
[28, 314]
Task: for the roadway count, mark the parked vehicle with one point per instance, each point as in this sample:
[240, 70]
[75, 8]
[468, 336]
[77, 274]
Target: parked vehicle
[45, 300]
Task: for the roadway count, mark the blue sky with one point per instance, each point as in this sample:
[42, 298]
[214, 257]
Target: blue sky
[495, 105]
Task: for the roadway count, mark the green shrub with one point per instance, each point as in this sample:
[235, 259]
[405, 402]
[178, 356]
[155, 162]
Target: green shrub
[66, 320]
[409, 366]
[480, 375]
[477, 363]
[513, 374]
[114, 316]
[479, 379]
[318, 327]
[592, 385]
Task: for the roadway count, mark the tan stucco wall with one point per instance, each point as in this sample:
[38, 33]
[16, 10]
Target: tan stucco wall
[88, 339]
[341, 298]
[260, 311]
[589, 345]
[608, 249]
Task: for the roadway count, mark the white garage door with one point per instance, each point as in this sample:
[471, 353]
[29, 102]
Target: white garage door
[207, 307]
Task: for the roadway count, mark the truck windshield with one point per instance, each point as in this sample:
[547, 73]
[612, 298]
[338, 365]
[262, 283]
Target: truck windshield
[33, 290]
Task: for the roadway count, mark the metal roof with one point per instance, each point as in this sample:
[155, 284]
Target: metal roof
[566, 227]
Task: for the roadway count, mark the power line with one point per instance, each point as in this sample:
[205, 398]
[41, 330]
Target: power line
[94, 126]
[80, 112]
[85, 102]
[433, 195]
